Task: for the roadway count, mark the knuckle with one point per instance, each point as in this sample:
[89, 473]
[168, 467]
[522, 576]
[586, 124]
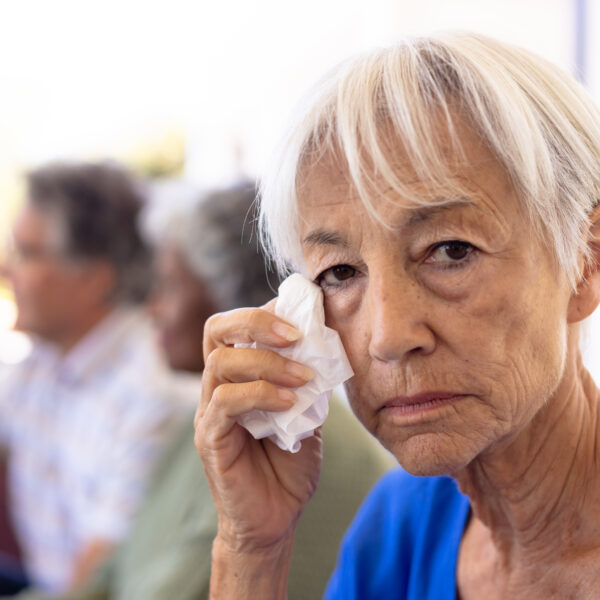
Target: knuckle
[262, 388]
[200, 442]
[209, 327]
[214, 359]
[220, 394]
[254, 318]
[271, 361]
[211, 322]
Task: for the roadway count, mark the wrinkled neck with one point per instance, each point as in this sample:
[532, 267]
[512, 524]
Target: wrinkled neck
[538, 491]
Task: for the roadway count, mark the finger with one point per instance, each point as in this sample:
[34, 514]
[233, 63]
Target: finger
[234, 400]
[245, 326]
[230, 401]
[236, 365]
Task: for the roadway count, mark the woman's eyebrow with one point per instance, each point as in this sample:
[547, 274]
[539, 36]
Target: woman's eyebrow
[423, 214]
[322, 237]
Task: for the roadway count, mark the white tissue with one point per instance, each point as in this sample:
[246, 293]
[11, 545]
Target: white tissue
[300, 302]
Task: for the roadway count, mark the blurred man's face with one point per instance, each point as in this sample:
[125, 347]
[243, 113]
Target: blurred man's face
[180, 306]
[48, 287]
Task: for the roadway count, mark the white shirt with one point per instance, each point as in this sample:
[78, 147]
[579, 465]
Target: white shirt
[83, 431]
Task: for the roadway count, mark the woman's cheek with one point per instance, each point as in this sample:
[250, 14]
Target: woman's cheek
[357, 391]
[341, 306]
[354, 338]
[344, 313]
[451, 285]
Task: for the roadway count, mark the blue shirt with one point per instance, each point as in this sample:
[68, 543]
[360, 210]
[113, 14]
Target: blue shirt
[404, 541]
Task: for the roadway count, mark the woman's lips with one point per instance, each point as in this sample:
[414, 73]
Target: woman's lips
[419, 402]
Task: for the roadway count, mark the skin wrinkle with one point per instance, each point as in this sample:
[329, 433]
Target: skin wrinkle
[418, 299]
[520, 476]
[322, 237]
[497, 329]
[580, 479]
[577, 451]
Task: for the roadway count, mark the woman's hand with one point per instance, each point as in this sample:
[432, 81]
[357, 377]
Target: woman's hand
[259, 489]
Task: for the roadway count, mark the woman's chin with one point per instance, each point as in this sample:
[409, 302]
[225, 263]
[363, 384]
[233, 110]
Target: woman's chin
[428, 455]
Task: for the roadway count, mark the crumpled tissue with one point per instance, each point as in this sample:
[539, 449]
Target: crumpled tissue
[300, 303]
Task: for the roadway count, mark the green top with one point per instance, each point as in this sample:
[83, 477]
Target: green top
[167, 555]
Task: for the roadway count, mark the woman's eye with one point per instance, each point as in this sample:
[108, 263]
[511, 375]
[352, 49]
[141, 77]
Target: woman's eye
[451, 252]
[336, 276]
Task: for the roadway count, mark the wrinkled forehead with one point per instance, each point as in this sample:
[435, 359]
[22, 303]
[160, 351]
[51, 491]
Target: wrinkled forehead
[326, 178]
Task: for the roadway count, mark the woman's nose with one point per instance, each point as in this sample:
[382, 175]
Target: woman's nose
[399, 319]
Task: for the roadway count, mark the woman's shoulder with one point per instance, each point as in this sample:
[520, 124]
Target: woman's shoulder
[403, 501]
[405, 537]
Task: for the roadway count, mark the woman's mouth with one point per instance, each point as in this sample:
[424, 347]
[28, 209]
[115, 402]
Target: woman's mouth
[417, 403]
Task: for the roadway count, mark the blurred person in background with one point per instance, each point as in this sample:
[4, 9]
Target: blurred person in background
[85, 417]
[207, 261]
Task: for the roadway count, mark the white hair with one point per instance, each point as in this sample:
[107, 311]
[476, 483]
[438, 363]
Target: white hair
[213, 232]
[538, 122]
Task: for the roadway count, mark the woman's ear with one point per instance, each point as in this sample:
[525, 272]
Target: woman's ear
[586, 297]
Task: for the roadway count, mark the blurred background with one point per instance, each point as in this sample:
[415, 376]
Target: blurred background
[201, 90]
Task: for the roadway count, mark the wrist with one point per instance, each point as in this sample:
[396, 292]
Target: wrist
[240, 572]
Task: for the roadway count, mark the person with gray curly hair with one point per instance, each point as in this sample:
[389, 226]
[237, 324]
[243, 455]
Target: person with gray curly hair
[85, 417]
[208, 260]
[444, 195]
[217, 237]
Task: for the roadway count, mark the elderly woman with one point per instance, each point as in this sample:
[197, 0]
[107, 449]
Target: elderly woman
[444, 195]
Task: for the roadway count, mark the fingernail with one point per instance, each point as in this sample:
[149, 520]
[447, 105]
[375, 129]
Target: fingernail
[298, 370]
[291, 334]
[286, 396]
